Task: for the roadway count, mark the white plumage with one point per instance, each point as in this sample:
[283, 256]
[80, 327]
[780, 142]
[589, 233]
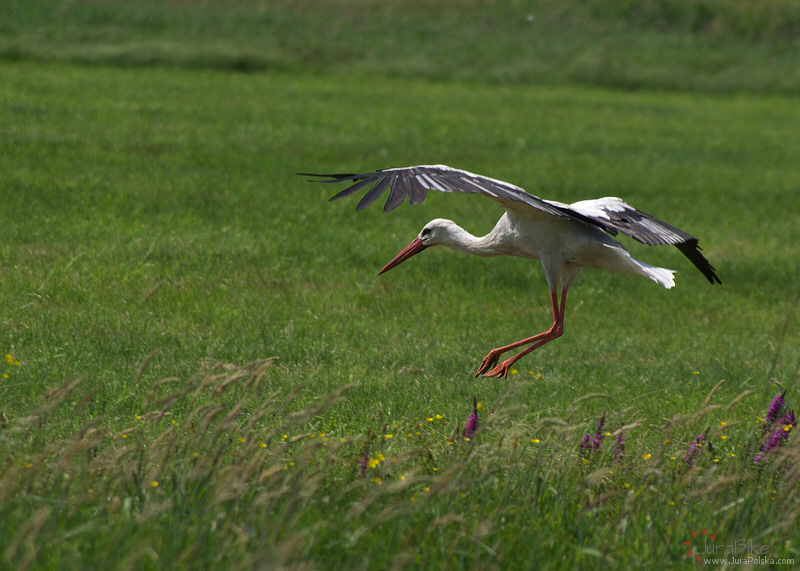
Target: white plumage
[565, 237]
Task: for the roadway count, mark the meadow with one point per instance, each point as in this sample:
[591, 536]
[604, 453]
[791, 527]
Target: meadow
[201, 368]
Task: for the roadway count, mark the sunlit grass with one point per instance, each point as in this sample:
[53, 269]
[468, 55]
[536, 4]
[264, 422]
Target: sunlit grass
[202, 368]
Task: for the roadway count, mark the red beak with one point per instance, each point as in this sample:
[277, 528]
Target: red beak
[412, 249]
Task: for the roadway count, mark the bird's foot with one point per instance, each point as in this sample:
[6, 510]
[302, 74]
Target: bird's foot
[501, 371]
[488, 362]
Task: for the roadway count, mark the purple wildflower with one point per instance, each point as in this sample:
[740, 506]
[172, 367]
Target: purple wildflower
[774, 441]
[599, 436]
[776, 408]
[780, 435]
[695, 448]
[588, 443]
[473, 421]
[620, 448]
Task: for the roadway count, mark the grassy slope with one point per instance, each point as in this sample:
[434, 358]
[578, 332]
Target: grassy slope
[154, 212]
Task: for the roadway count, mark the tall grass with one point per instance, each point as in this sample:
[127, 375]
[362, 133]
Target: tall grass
[219, 471]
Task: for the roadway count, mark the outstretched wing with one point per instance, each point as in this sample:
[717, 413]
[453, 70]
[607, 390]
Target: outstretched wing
[413, 183]
[610, 214]
[615, 215]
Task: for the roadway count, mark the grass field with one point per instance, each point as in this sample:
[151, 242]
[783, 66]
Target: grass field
[719, 46]
[201, 369]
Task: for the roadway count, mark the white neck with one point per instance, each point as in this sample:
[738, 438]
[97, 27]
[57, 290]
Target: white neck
[492, 244]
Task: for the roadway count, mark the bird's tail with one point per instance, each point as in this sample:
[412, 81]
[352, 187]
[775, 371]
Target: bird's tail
[661, 275]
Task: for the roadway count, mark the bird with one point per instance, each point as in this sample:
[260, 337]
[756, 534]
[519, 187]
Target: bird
[565, 238]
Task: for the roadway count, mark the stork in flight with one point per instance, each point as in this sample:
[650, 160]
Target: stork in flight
[565, 237]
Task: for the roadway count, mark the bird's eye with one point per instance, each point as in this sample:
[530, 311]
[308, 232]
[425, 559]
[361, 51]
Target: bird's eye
[426, 231]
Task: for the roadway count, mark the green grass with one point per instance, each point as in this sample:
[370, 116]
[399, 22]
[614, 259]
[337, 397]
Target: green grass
[707, 45]
[202, 353]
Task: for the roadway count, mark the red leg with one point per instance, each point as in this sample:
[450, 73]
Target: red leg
[556, 331]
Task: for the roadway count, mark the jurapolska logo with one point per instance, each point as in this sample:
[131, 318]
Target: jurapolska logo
[738, 551]
[688, 542]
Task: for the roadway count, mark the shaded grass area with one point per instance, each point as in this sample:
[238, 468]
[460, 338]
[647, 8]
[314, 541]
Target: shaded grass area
[154, 233]
[704, 45]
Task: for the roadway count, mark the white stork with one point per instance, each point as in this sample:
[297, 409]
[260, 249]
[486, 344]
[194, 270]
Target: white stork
[565, 237]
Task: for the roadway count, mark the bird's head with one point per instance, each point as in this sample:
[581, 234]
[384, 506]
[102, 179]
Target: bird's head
[436, 232]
